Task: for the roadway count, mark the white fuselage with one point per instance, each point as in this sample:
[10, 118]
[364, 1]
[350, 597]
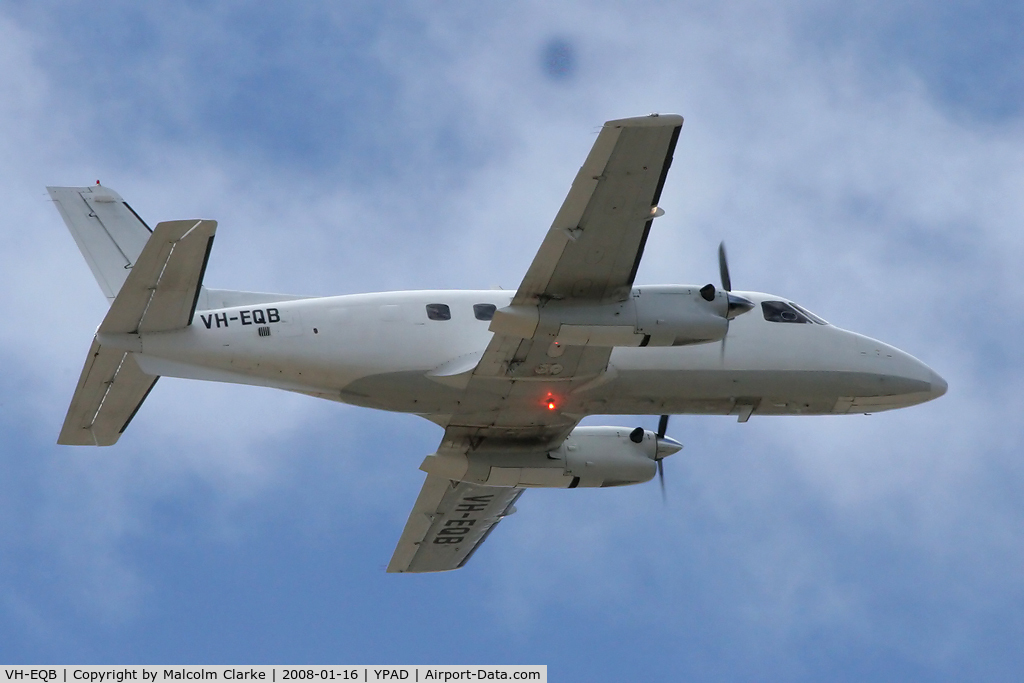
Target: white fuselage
[382, 351]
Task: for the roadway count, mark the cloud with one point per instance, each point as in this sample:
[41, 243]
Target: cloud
[347, 150]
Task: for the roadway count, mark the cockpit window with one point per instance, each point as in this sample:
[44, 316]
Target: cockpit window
[484, 311]
[810, 315]
[439, 312]
[781, 312]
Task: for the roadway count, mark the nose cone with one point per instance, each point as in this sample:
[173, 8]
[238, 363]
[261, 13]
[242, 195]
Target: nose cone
[922, 383]
[938, 384]
[895, 379]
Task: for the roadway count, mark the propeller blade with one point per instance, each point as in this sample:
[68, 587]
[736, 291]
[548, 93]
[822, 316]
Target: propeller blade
[738, 305]
[661, 479]
[662, 429]
[723, 268]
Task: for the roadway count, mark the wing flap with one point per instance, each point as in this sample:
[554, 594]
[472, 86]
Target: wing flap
[448, 523]
[110, 390]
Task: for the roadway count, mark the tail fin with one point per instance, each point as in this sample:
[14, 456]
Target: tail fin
[109, 233]
[158, 292]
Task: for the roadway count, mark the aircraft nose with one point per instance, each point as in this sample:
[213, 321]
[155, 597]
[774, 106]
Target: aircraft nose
[900, 373]
[939, 385]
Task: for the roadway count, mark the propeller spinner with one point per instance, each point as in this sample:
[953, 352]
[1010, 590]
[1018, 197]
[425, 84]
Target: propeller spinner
[666, 447]
[738, 305]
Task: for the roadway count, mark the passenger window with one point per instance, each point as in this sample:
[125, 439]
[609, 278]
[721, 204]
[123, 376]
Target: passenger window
[781, 312]
[484, 311]
[439, 312]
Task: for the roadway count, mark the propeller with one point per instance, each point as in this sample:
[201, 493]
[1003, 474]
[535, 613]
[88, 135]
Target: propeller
[723, 268]
[736, 304]
[666, 446]
[662, 428]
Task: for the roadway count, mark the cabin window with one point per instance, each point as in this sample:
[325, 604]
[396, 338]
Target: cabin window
[484, 311]
[439, 312]
[781, 312]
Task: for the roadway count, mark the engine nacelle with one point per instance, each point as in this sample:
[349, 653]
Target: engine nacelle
[608, 456]
[590, 456]
[677, 316]
[658, 315]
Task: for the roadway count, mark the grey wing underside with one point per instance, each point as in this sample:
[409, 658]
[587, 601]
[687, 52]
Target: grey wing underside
[448, 523]
[594, 246]
[590, 254]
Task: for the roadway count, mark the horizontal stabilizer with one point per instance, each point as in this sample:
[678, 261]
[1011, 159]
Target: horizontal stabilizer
[159, 294]
[108, 232]
[448, 523]
[110, 391]
[163, 286]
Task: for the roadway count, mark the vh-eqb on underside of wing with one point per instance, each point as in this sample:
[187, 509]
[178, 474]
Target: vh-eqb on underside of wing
[508, 375]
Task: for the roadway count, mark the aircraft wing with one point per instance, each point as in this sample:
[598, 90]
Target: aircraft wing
[591, 253]
[448, 523]
[593, 248]
[518, 397]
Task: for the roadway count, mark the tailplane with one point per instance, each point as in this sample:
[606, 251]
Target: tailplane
[109, 393]
[154, 288]
[153, 280]
[108, 232]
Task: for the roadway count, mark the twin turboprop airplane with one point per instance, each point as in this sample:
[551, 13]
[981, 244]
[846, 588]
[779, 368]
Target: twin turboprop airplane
[508, 375]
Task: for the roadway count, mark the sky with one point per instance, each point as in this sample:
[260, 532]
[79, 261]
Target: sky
[865, 161]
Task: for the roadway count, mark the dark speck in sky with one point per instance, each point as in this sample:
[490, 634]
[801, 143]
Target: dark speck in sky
[559, 59]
